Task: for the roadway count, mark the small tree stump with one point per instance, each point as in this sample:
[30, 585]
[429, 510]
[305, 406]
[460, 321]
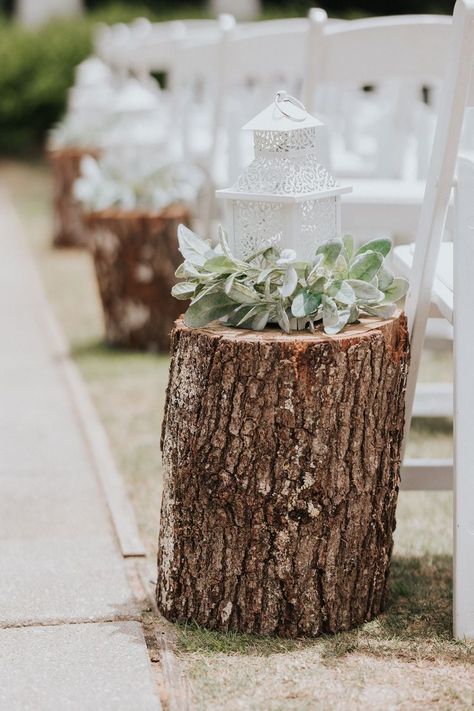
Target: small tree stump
[69, 226]
[281, 472]
[136, 255]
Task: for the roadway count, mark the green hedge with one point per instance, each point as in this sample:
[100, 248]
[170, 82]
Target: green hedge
[37, 67]
[36, 70]
[345, 8]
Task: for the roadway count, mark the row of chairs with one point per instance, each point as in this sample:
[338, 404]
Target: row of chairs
[375, 83]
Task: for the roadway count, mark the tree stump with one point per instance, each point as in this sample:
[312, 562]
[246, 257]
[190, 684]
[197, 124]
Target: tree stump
[281, 463]
[136, 255]
[70, 229]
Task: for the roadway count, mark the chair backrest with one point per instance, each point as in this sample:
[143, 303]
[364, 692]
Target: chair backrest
[457, 92]
[368, 51]
[143, 47]
[265, 54]
[258, 59]
[399, 58]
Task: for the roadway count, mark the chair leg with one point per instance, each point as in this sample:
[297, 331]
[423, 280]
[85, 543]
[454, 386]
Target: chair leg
[463, 583]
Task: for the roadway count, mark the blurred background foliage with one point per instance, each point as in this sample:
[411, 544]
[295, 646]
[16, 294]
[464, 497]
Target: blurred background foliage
[37, 66]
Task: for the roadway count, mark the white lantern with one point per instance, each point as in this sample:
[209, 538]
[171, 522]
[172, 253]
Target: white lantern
[285, 197]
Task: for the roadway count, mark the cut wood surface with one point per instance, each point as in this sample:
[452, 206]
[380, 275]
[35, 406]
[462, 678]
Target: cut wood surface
[136, 256]
[281, 462]
[69, 227]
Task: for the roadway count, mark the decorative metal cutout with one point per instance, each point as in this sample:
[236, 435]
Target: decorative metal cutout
[285, 197]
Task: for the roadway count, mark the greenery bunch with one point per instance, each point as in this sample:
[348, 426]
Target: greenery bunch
[273, 286]
[131, 179]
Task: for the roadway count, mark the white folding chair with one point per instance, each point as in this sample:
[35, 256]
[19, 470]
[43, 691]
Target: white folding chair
[429, 265]
[398, 57]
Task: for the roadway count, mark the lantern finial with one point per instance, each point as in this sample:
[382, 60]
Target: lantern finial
[282, 97]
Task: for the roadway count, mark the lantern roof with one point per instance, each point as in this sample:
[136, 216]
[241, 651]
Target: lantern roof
[286, 167]
[285, 114]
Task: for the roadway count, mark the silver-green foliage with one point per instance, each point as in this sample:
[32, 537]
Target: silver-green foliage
[273, 286]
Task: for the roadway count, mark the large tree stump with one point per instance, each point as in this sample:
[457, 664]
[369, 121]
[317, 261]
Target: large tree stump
[136, 255]
[281, 471]
[69, 225]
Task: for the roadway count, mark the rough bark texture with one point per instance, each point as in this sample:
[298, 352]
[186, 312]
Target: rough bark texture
[136, 256]
[281, 462]
[70, 229]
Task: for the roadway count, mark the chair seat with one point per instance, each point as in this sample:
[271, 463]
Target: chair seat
[442, 292]
[385, 191]
[390, 205]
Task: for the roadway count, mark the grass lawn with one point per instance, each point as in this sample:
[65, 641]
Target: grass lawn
[406, 659]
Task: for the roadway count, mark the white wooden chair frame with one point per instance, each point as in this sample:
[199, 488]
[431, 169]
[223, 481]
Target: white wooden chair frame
[457, 92]
[464, 405]
[407, 51]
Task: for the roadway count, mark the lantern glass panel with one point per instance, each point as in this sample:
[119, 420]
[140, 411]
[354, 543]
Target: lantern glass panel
[318, 222]
[257, 224]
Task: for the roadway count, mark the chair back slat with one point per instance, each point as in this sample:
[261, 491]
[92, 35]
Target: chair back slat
[402, 59]
[374, 50]
[454, 96]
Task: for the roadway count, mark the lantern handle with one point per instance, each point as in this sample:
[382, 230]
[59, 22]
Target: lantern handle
[281, 96]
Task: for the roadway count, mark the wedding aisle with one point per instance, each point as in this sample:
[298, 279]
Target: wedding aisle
[70, 635]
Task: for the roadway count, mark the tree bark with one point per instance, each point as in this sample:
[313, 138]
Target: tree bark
[281, 463]
[69, 225]
[136, 256]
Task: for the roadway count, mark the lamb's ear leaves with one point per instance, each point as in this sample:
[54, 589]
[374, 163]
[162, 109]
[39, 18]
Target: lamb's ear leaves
[365, 266]
[343, 318]
[341, 267]
[345, 294]
[330, 250]
[330, 312]
[192, 247]
[223, 241]
[397, 289]
[381, 245]
[348, 241]
[282, 319]
[242, 294]
[290, 282]
[365, 291]
[207, 309]
[380, 310]
[260, 321]
[384, 277]
[219, 265]
[353, 314]
[305, 303]
[184, 290]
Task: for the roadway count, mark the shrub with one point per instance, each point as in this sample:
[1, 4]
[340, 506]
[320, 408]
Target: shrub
[343, 8]
[37, 68]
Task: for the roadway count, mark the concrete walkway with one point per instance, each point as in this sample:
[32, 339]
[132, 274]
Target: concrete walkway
[70, 636]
